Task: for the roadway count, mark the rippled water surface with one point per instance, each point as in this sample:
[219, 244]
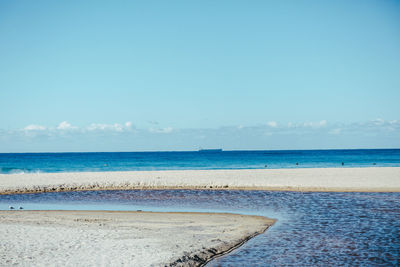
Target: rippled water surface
[191, 160]
[313, 229]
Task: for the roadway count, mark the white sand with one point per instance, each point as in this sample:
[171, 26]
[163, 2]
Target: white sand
[101, 238]
[378, 179]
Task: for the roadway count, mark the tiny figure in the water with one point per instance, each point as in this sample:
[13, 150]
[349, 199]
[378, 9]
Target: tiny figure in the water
[11, 207]
[266, 166]
[342, 163]
[297, 163]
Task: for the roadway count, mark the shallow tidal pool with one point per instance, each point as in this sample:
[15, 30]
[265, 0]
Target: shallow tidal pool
[313, 229]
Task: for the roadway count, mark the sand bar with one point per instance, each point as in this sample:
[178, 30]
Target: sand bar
[114, 238]
[374, 179]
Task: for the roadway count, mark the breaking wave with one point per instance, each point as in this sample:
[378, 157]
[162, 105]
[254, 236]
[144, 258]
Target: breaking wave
[12, 170]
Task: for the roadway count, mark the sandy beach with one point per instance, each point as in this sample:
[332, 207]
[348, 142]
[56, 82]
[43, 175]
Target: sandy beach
[374, 179]
[111, 238]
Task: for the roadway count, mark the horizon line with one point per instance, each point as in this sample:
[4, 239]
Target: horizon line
[171, 151]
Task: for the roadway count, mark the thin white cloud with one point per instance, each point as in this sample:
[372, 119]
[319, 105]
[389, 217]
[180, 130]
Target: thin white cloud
[167, 130]
[322, 123]
[105, 127]
[270, 128]
[318, 124]
[66, 126]
[34, 127]
[378, 122]
[294, 135]
[116, 127]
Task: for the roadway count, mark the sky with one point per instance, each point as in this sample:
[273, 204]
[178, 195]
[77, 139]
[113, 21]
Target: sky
[179, 75]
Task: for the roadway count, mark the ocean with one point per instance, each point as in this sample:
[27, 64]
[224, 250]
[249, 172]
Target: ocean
[312, 229]
[143, 161]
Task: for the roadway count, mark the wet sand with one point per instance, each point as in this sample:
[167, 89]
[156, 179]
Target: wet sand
[374, 179]
[114, 238]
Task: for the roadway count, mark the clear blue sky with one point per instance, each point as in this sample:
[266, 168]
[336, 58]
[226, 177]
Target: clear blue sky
[198, 66]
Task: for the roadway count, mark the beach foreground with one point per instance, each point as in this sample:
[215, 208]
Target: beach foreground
[375, 179]
[83, 238]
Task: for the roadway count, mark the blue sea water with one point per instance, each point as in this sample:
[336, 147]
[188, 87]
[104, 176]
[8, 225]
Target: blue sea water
[129, 161]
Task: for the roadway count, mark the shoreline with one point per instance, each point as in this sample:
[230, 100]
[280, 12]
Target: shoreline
[180, 238]
[371, 179]
[280, 189]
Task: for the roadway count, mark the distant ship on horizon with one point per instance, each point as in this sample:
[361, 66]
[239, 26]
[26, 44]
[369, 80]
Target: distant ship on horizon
[210, 150]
